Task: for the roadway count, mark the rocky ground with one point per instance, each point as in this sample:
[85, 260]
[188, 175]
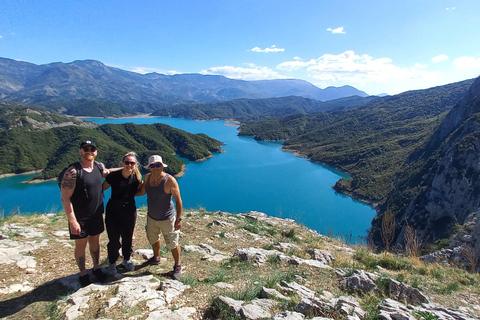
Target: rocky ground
[243, 266]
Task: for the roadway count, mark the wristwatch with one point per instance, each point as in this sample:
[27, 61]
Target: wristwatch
[179, 219]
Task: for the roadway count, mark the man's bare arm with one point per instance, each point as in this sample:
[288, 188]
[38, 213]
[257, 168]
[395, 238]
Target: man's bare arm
[67, 186]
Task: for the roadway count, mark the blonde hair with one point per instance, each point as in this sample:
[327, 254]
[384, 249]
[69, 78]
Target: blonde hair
[135, 169]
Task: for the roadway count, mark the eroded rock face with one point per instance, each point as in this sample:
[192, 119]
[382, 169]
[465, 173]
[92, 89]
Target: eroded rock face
[447, 178]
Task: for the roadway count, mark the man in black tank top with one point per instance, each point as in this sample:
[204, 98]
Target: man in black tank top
[82, 201]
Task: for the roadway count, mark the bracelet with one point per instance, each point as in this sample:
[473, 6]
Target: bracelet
[179, 219]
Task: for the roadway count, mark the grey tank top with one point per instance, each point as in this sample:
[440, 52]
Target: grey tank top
[159, 203]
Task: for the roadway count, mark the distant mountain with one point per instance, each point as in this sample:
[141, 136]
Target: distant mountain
[92, 80]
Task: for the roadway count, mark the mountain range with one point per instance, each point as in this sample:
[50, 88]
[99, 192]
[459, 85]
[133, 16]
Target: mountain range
[92, 80]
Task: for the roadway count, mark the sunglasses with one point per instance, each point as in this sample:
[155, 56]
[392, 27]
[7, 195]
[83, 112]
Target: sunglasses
[158, 165]
[130, 163]
[91, 149]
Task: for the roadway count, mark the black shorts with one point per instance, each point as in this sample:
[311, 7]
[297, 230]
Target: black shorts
[90, 227]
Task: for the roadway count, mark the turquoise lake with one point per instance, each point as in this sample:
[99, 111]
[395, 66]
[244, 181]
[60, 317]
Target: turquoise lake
[251, 175]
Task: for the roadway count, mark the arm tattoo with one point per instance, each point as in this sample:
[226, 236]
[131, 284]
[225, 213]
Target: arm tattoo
[69, 178]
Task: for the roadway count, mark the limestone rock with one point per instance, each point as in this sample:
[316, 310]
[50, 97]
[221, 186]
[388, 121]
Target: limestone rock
[348, 305]
[360, 281]
[313, 306]
[323, 256]
[288, 315]
[300, 290]
[272, 294]
[403, 292]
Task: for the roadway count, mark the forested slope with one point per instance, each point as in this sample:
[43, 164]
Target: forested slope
[42, 144]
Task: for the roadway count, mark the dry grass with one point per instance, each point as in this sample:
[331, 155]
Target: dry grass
[56, 260]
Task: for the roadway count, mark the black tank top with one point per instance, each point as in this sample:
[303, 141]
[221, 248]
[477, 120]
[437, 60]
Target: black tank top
[87, 198]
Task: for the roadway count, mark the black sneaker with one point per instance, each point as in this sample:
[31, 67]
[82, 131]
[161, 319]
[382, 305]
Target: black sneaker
[84, 280]
[100, 275]
[153, 261]
[177, 271]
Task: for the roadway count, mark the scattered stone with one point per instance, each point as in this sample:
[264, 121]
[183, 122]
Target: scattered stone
[313, 306]
[285, 246]
[61, 234]
[260, 255]
[360, 281]
[393, 310]
[220, 223]
[403, 292]
[294, 287]
[272, 294]
[209, 252]
[348, 306]
[22, 231]
[224, 285]
[254, 312]
[323, 256]
[223, 302]
[145, 253]
[288, 315]
[300, 279]
[179, 314]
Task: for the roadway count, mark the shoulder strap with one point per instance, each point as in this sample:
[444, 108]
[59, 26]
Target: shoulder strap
[99, 166]
[79, 168]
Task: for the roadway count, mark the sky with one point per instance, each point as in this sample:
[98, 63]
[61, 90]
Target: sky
[375, 46]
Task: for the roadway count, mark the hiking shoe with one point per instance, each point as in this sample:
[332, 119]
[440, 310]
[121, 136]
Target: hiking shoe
[128, 264]
[112, 269]
[100, 275]
[153, 260]
[84, 280]
[177, 271]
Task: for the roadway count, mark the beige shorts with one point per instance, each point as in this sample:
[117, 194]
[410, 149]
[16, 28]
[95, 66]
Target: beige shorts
[163, 227]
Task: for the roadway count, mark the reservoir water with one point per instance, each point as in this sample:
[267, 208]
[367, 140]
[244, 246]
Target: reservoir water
[250, 175]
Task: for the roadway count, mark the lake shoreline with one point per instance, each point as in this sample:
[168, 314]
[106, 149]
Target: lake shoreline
[371, 202]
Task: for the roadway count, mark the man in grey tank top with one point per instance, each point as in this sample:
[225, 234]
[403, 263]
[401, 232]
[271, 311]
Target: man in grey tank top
[163, 217]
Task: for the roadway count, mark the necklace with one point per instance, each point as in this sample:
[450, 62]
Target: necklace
[155, 181]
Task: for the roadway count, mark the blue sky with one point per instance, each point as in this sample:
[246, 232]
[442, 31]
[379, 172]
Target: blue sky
[375, 46]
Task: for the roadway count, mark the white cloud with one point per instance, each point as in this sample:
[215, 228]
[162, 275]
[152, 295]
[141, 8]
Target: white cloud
[145, 70]
[251, 73]
[336, 30]
[295, 65]
[467, 63]
[268, 50]
[1, 36]
[451, 8]
[439, 58]
[349, 68]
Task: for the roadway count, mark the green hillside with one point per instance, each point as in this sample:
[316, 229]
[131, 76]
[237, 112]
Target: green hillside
[368, 142]
[40, 145]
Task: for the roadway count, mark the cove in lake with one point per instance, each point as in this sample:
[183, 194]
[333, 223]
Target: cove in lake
[250, 175]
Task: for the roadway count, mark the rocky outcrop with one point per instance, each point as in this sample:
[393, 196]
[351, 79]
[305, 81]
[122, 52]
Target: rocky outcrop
[442, 180]
[151, 294]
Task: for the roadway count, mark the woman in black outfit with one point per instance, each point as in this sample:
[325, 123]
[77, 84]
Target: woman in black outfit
[121, 213]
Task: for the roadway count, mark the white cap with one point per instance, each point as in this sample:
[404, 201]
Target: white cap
[155, 159]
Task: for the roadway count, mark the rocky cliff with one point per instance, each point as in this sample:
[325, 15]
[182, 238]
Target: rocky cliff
[439, 189]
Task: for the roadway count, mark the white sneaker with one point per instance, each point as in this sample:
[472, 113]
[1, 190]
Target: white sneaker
[128, 264]
[112, 269]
